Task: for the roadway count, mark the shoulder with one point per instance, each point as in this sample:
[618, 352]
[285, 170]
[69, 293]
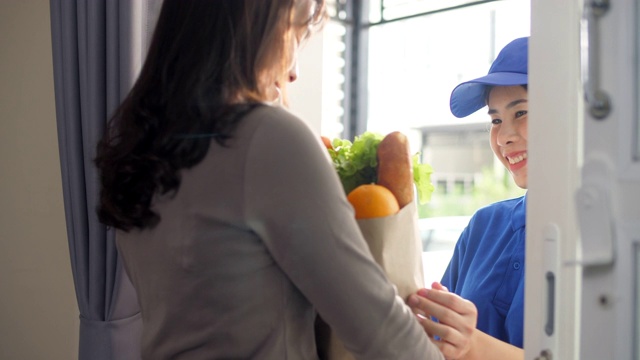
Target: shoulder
[278, 132]
[282, 139]
[278, 123]
[498, 219]
[499, 209]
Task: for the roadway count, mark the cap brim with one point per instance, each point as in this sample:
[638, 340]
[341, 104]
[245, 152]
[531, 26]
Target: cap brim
[468, 97]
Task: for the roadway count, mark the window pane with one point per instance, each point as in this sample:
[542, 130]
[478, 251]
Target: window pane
[414, 64]
[393, 9]
[333, 82]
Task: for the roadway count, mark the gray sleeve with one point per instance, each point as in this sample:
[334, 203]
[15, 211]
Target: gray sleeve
[295, 203]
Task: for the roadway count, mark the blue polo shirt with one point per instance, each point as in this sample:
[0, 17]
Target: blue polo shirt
[487, 268]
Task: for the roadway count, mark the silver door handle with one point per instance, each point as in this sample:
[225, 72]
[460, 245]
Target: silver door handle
[597, 99]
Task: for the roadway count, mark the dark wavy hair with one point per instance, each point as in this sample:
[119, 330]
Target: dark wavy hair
[201, 74]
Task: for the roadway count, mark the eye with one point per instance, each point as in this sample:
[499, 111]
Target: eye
[496, 121]
[521, 113]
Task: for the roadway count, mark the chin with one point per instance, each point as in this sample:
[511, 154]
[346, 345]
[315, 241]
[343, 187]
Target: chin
[520, 181]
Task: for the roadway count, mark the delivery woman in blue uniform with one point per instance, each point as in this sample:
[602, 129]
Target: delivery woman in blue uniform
[487, 267]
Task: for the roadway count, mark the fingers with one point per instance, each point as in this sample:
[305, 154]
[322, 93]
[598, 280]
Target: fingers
[440, 331]
[437, 286]
[449, 300]
[451, 343]
[450, 309]
[455, 319]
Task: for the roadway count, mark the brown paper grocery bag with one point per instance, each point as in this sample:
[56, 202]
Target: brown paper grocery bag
[395, 244]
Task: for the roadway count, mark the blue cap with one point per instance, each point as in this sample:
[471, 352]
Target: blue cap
[508, 69]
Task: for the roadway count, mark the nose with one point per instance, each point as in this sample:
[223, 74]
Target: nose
[507, 133]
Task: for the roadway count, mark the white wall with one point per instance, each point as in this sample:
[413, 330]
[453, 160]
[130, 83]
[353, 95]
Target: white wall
[38, 309]
[305, 94]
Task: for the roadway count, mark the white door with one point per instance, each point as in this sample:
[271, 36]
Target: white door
[583, 230]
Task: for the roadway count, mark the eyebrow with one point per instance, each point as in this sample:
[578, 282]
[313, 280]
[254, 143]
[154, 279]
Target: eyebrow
[509, 105]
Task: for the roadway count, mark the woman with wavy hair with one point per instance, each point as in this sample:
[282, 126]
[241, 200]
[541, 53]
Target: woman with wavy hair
[231, 222]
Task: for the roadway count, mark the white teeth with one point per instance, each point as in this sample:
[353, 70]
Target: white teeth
[517, 159]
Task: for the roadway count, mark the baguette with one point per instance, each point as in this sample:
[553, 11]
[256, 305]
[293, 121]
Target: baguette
[395, 171]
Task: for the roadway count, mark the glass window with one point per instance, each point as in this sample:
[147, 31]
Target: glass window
[395, 9]
[333, 64]
[414, 64]
[416, 52]
[414, 61]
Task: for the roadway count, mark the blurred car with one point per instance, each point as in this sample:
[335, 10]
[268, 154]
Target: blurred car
[439, 236]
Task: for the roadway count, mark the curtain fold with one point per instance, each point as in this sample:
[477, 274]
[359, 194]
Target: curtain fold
[98, 46]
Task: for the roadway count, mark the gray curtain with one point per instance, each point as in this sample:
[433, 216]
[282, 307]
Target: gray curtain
[98, 46]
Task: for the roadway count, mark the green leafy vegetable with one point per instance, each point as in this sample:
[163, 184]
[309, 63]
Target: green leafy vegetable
[422, 179]
[357, 164]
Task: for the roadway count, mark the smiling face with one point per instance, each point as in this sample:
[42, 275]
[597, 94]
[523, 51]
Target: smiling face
[508, 108]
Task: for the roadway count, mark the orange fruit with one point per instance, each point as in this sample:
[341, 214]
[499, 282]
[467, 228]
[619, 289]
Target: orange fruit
[326, 142]
[372, 201]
